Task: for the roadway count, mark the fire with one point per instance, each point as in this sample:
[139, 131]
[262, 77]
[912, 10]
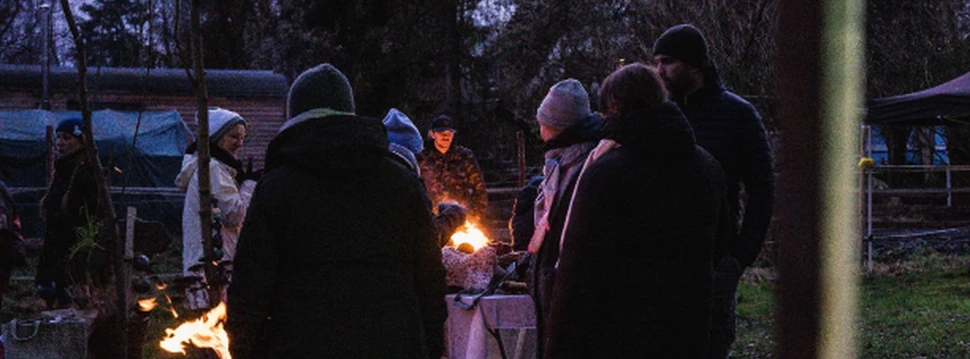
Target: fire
[146, 305]
[171, 307]
[205, 332]
[470, 234]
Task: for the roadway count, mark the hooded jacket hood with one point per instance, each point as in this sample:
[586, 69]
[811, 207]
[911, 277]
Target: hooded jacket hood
[661, 134]
[333, 142]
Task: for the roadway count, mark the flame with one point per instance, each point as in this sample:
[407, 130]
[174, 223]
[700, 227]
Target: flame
[146, 305]
[170, 306]
[470, 234]
[205, 332]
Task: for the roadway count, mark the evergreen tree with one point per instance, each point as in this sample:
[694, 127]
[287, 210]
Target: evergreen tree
[115, 32]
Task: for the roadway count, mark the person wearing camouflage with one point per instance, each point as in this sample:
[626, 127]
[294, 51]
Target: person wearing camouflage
[451, 172]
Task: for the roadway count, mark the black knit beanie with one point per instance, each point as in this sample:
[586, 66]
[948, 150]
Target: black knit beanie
[320, 87]
[685, 43]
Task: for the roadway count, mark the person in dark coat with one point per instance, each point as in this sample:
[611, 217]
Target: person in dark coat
[635, 267]
[730, 129]
[570, 131]
[12, 251]
[71, 202]
[337, 257]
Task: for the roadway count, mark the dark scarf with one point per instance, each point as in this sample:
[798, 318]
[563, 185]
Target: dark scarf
[587, 129]
[222, 156]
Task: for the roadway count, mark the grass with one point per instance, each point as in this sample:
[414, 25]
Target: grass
[917, 308]
[913, 308]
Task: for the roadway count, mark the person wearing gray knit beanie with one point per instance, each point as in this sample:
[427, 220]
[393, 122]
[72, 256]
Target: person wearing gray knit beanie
[323, 86]
[566, 104]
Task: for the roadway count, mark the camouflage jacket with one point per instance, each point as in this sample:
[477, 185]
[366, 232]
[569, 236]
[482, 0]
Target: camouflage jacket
[454, 176]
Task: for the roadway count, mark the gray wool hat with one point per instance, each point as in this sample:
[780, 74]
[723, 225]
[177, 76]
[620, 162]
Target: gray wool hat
[323, 86]
[566, 104]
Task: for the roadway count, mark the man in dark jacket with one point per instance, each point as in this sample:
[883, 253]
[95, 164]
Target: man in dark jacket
[337, 257]
[451, 172]
[634, 275]
[730, 129]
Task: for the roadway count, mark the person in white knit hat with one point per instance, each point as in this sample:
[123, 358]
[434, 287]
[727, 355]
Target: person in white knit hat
[231, 187]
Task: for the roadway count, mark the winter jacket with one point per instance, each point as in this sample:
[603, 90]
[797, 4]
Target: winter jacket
[454, 176]
[338, 255]
[635, 269]
[565, 155]
[730, 129]
[12, 251]
[233, 199]
[451, 216]
[522, 223]
[72, 199]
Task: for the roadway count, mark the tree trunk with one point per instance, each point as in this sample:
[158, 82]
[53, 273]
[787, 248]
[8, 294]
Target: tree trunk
[119, 313]
[205, 184]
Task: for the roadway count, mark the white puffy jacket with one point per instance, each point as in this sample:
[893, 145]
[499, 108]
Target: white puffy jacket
[233, 202]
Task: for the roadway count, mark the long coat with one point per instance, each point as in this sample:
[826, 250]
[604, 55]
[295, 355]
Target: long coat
[635, 270]
[71, 201]
[338, 256]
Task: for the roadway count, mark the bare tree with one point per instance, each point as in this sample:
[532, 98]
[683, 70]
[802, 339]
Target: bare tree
[120, 312]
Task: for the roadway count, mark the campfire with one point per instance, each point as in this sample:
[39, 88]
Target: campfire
[205, 332]
[469, 238]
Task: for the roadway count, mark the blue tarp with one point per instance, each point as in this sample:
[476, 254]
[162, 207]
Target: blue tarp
[154, 162]
[162, 139]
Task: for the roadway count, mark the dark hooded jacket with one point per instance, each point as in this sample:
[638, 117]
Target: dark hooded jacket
[730, 129]
[635, 270]
[70, 201]
[337, 257]
[12, 251]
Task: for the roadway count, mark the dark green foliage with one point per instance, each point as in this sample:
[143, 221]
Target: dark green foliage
[113, 32]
